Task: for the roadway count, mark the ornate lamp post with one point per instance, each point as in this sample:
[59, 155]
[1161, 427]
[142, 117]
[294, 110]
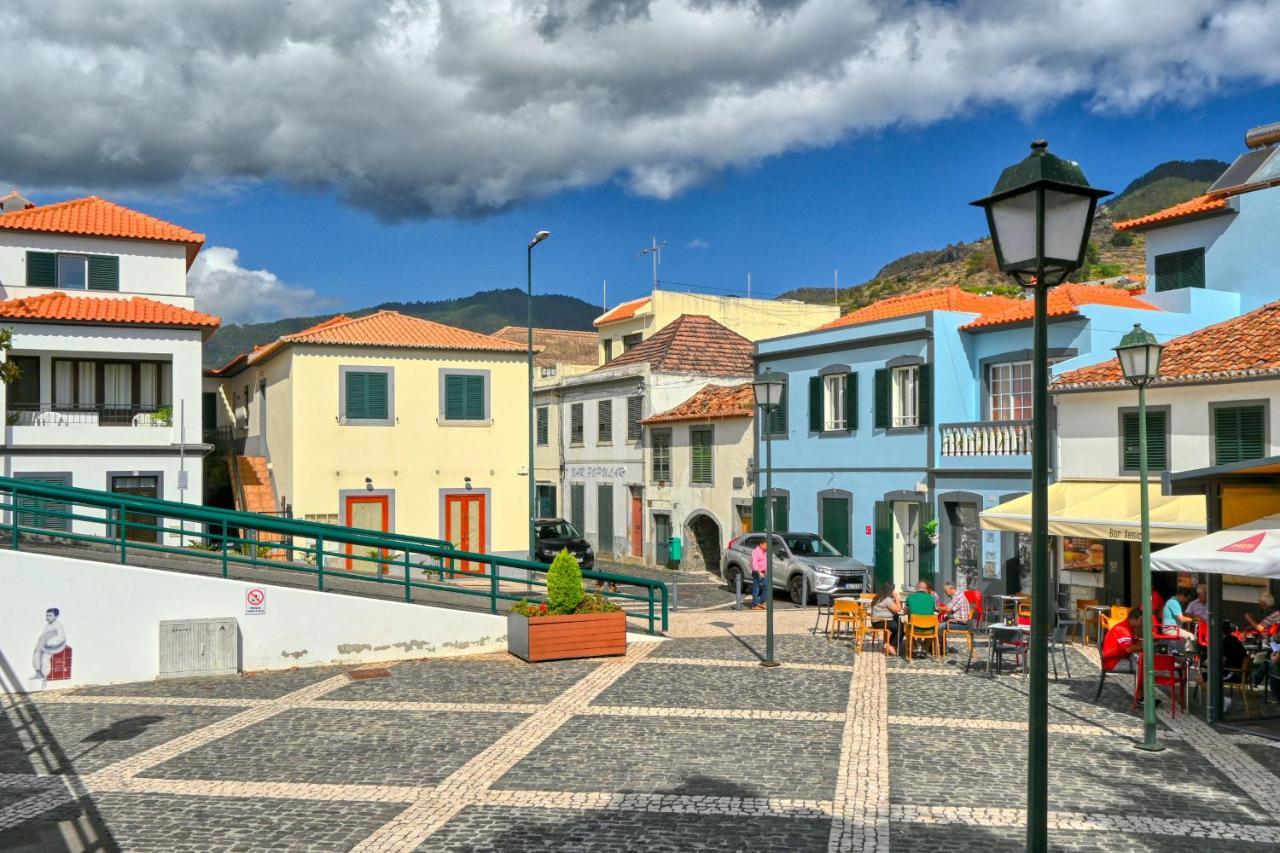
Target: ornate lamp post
[1139, 354]
[768, 387]
[1040, 214]
[533, 478]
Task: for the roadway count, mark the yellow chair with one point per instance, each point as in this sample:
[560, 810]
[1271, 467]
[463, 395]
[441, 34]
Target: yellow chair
[1087, 617]
[923, 629]
[845, 612]
[1107, 621]
[1245, 670]
[965, 633]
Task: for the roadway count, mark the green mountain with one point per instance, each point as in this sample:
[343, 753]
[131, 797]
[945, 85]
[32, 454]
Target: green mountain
[486, 311]
[1166, 185]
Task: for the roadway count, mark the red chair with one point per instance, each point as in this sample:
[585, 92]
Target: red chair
[1166, 674]
[975, 605]
[1202, 634]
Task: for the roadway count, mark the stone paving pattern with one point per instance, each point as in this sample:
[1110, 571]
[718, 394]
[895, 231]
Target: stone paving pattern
[681, 745]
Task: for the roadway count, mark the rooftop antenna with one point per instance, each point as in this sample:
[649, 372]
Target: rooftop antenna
[655, 251]
[604, 296]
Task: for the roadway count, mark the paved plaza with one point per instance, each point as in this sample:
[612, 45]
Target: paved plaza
[684, 744]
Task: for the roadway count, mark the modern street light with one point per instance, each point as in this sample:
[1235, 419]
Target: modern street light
[1139, 354]
[533, 478]
[1040, 214]
[768, 387]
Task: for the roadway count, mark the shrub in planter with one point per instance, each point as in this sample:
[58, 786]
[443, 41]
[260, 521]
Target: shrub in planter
[564, 583]
[570, 623]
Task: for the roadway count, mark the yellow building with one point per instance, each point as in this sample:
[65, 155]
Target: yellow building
[386, 422]
[623, 326]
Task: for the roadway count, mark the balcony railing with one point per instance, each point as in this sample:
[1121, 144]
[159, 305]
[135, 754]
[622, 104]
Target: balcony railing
[104, 415]
[986, 438]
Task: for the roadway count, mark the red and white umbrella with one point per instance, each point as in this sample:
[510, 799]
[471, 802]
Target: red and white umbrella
[1251, 550]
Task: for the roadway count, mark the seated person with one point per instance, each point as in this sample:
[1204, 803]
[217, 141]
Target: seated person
[1174, 621]
[1199, 609]
[922, 602]
[957, 609]
[1118, 646]
[1233, 656]
[1268, 605]
[885, 610]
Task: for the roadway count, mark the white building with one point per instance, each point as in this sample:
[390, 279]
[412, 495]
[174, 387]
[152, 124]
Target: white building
[108, 345]
[600, 436]
[699, 459]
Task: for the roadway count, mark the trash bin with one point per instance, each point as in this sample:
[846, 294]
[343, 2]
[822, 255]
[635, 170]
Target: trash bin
[675, 550]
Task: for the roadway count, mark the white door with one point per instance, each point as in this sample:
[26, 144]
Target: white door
[906, 519]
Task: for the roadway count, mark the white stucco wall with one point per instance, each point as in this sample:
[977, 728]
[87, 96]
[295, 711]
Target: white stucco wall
[111, 615]
[147, 268]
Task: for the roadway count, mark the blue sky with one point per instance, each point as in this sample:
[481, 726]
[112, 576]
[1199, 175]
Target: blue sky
[791, 221]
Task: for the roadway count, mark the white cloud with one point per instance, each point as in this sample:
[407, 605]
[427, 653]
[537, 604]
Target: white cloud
[698, 243]
[238, 295]
[414, 108]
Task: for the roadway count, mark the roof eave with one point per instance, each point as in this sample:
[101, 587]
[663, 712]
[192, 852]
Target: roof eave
[1176, 220]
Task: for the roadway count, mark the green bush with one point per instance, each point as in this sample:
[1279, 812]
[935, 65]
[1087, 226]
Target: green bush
[564, 583]
[1121, 239]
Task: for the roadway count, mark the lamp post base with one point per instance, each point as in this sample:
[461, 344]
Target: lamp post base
[1155, 746]
[769, 663]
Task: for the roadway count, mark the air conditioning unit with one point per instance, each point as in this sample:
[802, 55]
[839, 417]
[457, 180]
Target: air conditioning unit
[199, 647]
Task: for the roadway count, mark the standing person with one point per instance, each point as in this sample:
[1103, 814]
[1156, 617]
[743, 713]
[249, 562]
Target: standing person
[759, 567]
[886, 611]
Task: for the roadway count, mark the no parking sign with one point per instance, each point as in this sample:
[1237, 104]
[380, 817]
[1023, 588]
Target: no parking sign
[255, 602]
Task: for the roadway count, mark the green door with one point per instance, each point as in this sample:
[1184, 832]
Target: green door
[835, 523]
[781, 519]
[883, 571]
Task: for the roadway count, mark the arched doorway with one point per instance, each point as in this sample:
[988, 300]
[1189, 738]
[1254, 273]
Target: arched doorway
[703, 536]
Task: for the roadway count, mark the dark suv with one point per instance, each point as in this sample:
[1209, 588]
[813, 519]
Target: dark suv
[554, 534]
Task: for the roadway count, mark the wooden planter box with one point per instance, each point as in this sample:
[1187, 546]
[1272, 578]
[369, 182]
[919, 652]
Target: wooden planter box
[578, 635]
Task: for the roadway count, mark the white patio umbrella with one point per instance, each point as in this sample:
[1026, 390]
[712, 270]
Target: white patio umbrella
[1251, 550]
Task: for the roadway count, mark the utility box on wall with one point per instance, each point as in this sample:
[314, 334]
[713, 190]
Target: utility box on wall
[199, 647]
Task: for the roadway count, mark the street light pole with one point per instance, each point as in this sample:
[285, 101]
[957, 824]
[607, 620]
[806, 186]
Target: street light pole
[533, 491]
[768, 388]
[1038, 650]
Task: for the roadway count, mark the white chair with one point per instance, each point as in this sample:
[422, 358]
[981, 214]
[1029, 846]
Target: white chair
[144, 419]
[51, 419]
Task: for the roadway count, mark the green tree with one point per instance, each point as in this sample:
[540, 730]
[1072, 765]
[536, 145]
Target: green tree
[564, 583]
[8, 370]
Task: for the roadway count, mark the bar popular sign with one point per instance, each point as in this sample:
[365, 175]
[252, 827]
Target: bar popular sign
[613, 473]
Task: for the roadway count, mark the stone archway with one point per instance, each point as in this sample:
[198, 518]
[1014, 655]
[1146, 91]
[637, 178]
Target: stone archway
[703, 537]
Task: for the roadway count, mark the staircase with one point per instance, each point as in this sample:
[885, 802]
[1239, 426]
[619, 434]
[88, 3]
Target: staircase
[255, 492]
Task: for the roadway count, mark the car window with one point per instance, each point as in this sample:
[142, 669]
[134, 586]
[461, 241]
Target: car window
[558, 530]
[750, 542]
[810, 546]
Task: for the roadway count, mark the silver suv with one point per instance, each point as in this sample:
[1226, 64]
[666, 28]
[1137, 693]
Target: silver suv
[797, 556]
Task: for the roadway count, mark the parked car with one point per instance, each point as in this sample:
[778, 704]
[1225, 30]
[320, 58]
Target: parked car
[555, 534]
[797, 556]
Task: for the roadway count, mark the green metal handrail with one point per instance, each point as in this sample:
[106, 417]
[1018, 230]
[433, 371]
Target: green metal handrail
[234, 538]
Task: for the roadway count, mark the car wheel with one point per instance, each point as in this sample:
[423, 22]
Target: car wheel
[795, 586]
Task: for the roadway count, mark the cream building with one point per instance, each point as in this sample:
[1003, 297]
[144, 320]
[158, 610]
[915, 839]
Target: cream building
[629, 323]
[387, 422]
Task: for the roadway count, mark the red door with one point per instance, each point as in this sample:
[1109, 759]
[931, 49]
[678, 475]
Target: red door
[368, 512]
[464, 525]
[637, 525]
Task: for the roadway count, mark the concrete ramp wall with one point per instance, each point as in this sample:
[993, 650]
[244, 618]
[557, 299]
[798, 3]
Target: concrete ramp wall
[109, 617]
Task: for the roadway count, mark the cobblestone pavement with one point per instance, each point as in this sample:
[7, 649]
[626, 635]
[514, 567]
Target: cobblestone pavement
[686, 744]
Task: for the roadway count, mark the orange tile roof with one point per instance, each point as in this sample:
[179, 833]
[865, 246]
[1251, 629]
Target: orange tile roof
[1064, 300]
[712, 402]
[1193, 207]
[388, 329]
[934, 299]
[60, 306]
[554, 346]
[625, 311]
[1248, 345]
[692, 343]
[96, 217]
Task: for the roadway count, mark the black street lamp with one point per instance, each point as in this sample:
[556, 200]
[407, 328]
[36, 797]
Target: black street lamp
[1040, 215]
[1139, 354]
[533, 479]
[768, 388]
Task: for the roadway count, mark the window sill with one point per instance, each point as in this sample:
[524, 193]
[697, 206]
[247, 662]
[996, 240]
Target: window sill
[444, 422]
[363, 423]
[904, 429]
[834, 433]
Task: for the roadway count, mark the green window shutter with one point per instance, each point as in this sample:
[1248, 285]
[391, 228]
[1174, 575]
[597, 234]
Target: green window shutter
[882, 515]
[474, 389]
[42, 269]
[1253, 432]
[781, 513]
[700, 439]
[604, 422]
[39, 512]
[757, 513]
[1157, 443]
[1166, 272]
[924, 394]
[851, 401]
[776, 420]
[882, 398]
[1193, 268]
[542, 428]
[634, 405]
[660, 455]
[1179, 269]
[815, 404]
[356, 405]
[455, 398]
[575, 423]
[1239, 434]
[104, 272]
[376, 396]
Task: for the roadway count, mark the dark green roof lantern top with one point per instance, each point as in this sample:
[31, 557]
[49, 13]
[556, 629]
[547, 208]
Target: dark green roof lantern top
[1040, 215]
[1139, 355]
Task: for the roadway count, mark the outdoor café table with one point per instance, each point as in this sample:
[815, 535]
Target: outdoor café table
[1099, 609]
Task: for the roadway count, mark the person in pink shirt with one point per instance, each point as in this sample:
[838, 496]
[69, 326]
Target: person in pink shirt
[759, 566]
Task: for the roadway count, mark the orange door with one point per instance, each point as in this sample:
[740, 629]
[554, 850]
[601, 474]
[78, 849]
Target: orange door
[368, 512]
[637, 526]
[464, 524]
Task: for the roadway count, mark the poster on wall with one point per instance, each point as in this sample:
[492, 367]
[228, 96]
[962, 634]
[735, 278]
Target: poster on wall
[1083, 555]
[990, 556]
[52, 656]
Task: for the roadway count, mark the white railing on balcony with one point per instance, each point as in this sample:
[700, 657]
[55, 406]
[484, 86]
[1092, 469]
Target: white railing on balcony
[89, 415]
[986, 438]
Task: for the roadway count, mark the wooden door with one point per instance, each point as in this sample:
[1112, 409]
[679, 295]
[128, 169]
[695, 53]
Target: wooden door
[366, 512]
[464, 526]
[143, 487]
[637, 524]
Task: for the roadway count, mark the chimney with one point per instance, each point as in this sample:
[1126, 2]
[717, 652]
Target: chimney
[14, 200]
[1263, 135]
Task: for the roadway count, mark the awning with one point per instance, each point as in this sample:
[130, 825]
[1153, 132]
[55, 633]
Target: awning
[1251, 550]
[1104, 510]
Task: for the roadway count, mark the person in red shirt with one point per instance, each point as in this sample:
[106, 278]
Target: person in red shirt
[1118, 646]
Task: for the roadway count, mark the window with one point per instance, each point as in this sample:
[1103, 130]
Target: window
[366, 396]
[833, 400]
[902, 396]
[1239, 433]
[700, 443]
[905, 397]
[604, 422]
[1010, 391]
[1179, 269]
[1157, 440]
[542, 426]
[635, 405]
[575, 424]
[44, 513]
[660, 453]
[608, 350]
[466, 396]
[73, 272]
[775, 419]
[628, 341]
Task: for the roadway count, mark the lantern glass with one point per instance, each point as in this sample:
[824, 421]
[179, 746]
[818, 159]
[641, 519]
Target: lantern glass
[1066, 225]
[1139, 354]
[768, 388]
[1013, 228]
